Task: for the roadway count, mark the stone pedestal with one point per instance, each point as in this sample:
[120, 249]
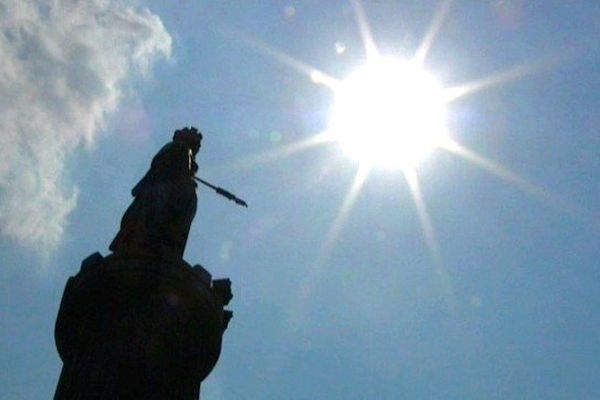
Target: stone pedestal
[139, 328]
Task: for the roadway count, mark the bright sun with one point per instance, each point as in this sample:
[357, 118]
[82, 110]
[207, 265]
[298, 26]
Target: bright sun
[389, 113]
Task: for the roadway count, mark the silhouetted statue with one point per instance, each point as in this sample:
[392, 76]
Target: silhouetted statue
[159, 219]
[142, 323]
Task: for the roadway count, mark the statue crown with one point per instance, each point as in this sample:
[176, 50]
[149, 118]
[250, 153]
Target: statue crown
[188, 135]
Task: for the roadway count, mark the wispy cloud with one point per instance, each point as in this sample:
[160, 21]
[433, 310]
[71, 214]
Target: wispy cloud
[62, 68]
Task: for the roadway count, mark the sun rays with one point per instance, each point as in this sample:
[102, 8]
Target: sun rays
[278, 153]
[519, 182]
[450, 94]
[432, 32]
[261, 47]
[364, 29]
[430, 236]
[313, 273]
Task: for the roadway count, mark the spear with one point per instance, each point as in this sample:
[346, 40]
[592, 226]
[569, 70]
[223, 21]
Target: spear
[223, 192]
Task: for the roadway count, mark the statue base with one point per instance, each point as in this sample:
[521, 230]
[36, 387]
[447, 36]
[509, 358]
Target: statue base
[139, 328]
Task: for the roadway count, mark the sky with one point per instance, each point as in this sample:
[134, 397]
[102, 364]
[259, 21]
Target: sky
[472, 275]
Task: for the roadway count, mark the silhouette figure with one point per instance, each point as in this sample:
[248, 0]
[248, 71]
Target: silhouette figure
[142, 323]
[158, 220]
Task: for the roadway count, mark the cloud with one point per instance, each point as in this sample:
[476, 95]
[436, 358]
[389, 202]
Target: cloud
[62, 68]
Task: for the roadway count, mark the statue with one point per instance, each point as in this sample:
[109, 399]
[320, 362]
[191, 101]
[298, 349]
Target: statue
[141, 323]
[158, 220]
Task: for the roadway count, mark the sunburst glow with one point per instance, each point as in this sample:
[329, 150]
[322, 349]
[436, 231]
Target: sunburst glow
[392, 113]
[389, 113]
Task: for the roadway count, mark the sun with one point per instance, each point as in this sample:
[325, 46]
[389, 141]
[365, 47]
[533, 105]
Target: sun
[389, 113]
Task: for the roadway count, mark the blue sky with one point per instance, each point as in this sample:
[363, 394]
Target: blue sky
[368, 315]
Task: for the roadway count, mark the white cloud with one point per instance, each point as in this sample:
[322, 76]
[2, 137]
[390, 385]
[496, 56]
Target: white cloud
[62, 64]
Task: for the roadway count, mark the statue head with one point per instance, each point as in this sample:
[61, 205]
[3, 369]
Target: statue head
[190, 136]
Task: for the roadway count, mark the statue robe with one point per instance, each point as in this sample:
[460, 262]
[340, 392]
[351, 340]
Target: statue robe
[158, 220]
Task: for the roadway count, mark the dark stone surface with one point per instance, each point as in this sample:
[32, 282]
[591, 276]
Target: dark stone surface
[222, 287]
[138, 328]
